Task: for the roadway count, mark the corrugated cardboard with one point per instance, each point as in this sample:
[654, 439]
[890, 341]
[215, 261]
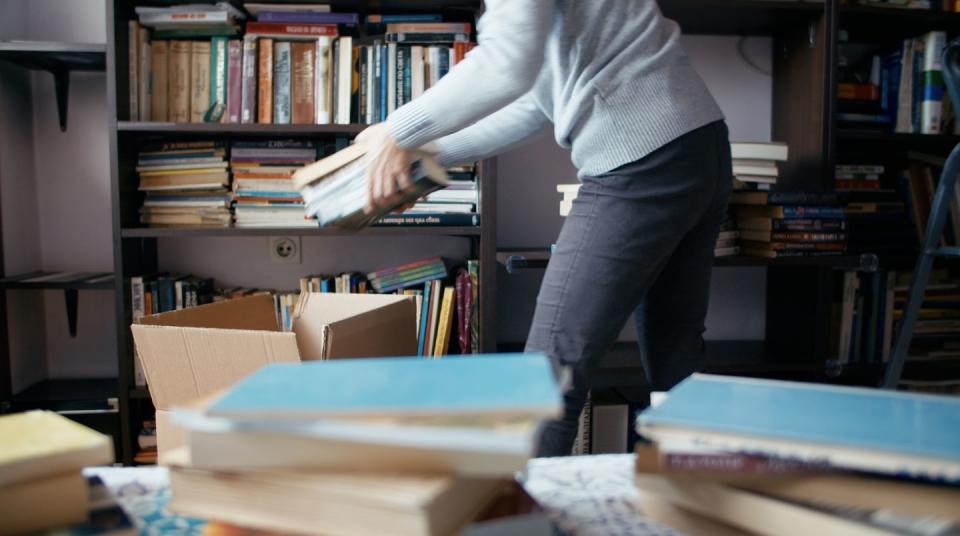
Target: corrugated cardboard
[170, 436]
[193, 353]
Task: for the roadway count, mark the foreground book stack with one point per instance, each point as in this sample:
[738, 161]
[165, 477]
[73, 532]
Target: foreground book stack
[784, 458]
[262, 186]
[186, 183]
[365, 446]
[789, 224]
[756, 164]
[41, 486]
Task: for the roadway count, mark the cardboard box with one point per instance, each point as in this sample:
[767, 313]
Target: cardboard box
[192, 353]
[169, 436]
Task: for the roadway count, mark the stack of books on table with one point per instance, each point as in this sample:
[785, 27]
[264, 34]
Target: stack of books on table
[262, 186]
[186, 183]
[789, 224]
[455, 205]
[42, 488]
[782, 458]
[363, 446]
[755, 164]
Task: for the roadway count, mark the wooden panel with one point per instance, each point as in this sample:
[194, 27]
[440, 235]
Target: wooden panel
[488, 255]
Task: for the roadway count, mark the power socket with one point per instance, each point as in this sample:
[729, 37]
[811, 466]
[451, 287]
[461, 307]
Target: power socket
[285, 250]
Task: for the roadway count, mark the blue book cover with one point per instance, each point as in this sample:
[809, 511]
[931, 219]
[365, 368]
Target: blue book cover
[421, 339]
[388, 18]
[307, 17]
[499, 385]
[861, 428]
[384, 68]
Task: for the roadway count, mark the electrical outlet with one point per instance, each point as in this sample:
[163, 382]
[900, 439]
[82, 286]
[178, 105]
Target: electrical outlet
[285, 249]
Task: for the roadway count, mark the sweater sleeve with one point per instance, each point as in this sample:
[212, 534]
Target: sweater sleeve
[500, 69]
[494, 134]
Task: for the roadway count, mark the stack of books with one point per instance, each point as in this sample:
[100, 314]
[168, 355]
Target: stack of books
[405, 275]
[291, 65]
[363, 446]
[455, 205]
[931, 5]
[569, 193]
[262, 186]
[755, 164]
[335, 189]
[41, 484]
[876, 217]
[147, 444]
[728, 241]
[937, 329]
[862, 318]
[789, 224]
[186, 183]
[783, 458]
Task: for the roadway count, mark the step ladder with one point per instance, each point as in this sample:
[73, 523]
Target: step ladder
[930, 249]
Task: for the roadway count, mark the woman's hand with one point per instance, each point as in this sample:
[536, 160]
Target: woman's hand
[388, 168]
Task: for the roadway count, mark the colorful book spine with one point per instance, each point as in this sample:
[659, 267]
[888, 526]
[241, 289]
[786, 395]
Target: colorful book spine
[133, 63]
[291, 31]
[199, 80]
[144, 70]
[281, 82]
[306, 17]
[424, 314]
[322, 71]
[248, 90]
[473, 268]
[302, 86]
[398, 74]
[391, 77]
[234, 80]
[218, 80]
[904, 104]
[159, 62]
[931, 106]
[265, 82]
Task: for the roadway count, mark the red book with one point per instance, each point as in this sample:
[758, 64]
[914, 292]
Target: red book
[856, 184]
[464, 289]
[460, 49]
[234, 80]
[868, 92]
[281, 29]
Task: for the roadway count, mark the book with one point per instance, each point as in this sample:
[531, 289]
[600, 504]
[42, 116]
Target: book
[793, 236]
[464, 300]
[445, 322]
[931, 78]
[256, 8]
[322, 73]
[103, 515]
[759, 151]
[423, 320]
[904, 97]
[44, 503]
[199, 80]
[782, 198]
[302, 86]
[786, 224]
[303, 17]
[433, 313]
[790, 212]
[343, 80]
[813, 422]
[477, 389]
[234, 81]
[218, 81]
[290, 32]
[473, 268]
[412, 219]
[180, 88]
[159, 63]
[250, 82]
[133, 67]
[42, 443]
[281, 82]
[265, 81]
[292, 500]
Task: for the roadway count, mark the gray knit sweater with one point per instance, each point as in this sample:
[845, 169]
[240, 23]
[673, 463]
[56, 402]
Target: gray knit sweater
[610, 74]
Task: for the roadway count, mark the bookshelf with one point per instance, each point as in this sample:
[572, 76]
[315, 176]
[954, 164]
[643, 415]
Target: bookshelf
[137, 248]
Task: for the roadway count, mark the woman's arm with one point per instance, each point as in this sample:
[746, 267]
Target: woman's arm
[501, 68]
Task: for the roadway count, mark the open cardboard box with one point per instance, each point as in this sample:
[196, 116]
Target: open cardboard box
[190, 354]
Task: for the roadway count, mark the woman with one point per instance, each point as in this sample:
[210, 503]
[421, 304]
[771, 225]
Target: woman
[652, 153]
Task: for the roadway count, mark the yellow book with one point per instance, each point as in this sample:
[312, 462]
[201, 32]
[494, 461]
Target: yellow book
[445, 323]
[42, 443]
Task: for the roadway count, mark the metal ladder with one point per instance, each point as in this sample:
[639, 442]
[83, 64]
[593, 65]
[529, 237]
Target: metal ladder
[938, 218]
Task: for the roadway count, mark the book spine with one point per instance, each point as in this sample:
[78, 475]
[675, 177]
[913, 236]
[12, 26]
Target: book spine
[473, 268]
[812, 212]
[407, 77]
[334, 80]
[379, 97]
[464, 301]
[391, 77]
[138, 310]
[191, 18]
[931, 108]
[355, 86]
[248, 90]
[160, 65]
[218, 81]
[904, 122]
[371, 85]
[399, 61]
[291, 30]
[281, 82]
[144, 76]
[322, 71]
[427, 38]
[305, 17]
[265, 82]
[302, 83]
[199, 80]
[416, 71]
[234, 80]
[180, 67]
[195, 33]
[344, 80]
[445, 322]
[133, 63]
[364, 86]
[430, 27]
[429, 220]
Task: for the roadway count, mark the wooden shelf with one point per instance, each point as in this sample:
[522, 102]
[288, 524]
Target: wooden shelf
[740, 17]
[167, 232]
[82, 395]
[49, 56]
[897, 22]
[232, 129]
[61, 281]
[890, 138]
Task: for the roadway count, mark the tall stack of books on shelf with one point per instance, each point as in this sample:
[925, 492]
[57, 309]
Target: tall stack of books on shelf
[875, 214]
[937, 330]
[755, 164]
[293, 64]
[774, 457]
[185, 184]
[900, 90]
[262, 186]
[789, 224]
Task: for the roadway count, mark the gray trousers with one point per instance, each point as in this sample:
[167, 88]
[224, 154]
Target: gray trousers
[638, 239]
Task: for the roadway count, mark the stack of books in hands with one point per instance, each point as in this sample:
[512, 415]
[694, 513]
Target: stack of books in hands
[186, 183]
[262, 185]
[783, 458]
[335, 189]
[41, 485]
[363, 446]
[755, 164]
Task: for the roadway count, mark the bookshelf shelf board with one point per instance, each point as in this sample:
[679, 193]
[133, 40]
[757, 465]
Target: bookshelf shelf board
[740, 17]
[903, 22]
[232, 129]
[519, 259]
[96, 394]
[912, 140]
[60, 280]
[50, 56]
[164, 232]
[393, 6]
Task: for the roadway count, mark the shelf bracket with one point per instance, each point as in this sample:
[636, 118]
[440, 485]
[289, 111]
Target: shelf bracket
[71, 298]
[61, 81]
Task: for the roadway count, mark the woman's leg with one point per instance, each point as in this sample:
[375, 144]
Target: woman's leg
[622, 229]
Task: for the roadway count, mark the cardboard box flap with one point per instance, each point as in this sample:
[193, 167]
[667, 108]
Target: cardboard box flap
[182, 364]
[253, 313]
[355, 325]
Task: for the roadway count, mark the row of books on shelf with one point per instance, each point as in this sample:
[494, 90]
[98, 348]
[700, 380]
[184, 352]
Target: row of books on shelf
[286, 69]
[446, 296]
[250, 184]
[900, 90]
[947, 6]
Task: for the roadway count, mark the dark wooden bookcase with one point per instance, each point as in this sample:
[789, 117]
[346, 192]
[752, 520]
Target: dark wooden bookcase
[136, 246]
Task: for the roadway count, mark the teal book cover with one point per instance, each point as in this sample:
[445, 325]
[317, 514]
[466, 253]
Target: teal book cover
[218, 80]
[501, 385]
